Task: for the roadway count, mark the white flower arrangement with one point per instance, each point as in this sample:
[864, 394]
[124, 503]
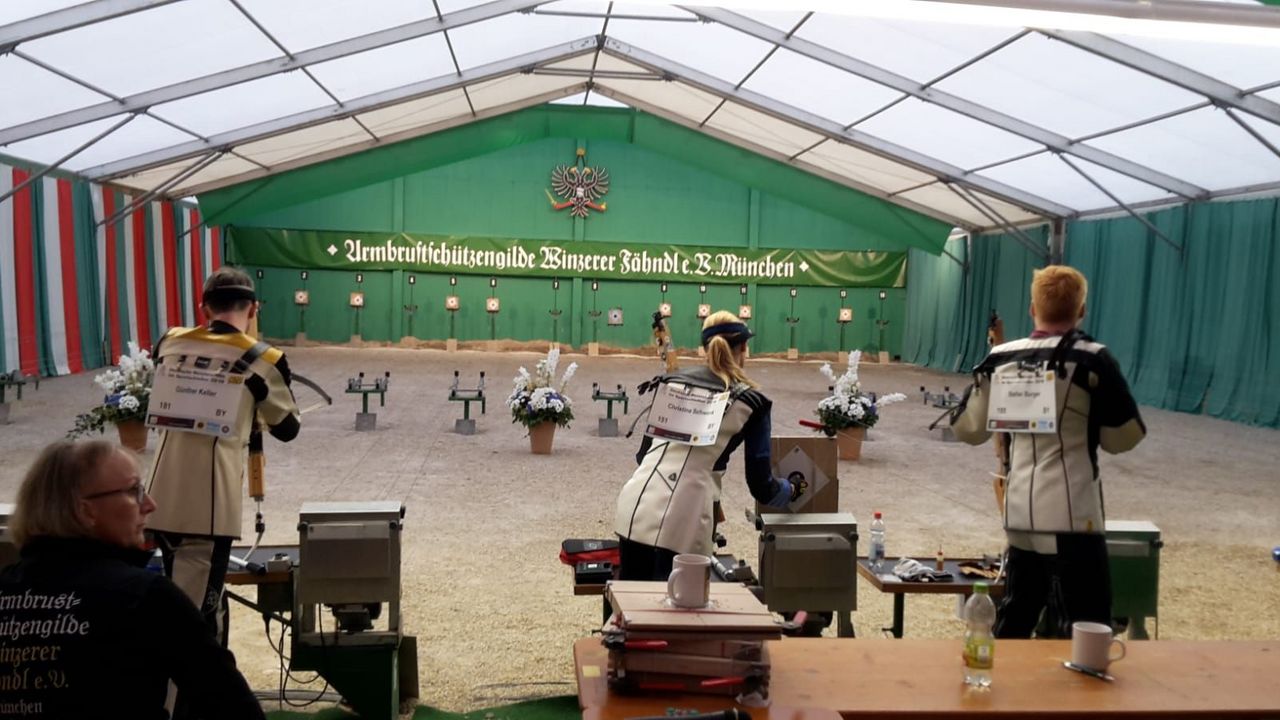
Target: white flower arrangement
[127, 388]
[537, 397]
[847, 405]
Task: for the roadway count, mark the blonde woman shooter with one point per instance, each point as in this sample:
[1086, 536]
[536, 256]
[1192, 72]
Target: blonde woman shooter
[667, 506]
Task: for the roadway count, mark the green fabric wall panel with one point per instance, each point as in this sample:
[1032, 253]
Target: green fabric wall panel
[786, 224]
[653, 198]
[878, 224]
[950, 308]
[497, 195]
[526, 304]
[1194, 331]
[369, 208]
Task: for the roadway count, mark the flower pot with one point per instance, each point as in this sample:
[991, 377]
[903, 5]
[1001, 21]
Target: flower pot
[849, 442]
[133, 435]
[541, 436]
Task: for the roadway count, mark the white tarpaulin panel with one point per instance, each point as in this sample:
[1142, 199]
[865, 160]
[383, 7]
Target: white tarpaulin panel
[237, 106]
[1048, 176]
[940, 197]
[945, 135]
[763, 130]
[225, 167]
[140, 135]
[285, 148]
[1204, 146]
[159, 47]
[385, 68]
[416, 113]
[864, 167]
[1029, 81]
[790, 78]
[979, 54]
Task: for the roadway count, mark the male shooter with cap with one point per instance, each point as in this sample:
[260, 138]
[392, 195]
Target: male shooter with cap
[198, 476]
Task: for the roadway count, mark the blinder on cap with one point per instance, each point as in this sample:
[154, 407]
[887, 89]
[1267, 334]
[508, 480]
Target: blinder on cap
[227, 294]
[734, 333]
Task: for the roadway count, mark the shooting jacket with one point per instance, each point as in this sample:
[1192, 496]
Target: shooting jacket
[197, 480]
[1053, 484]
[669, 500]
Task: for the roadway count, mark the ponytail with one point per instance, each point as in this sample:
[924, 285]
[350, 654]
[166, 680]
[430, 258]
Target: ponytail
[720, 358]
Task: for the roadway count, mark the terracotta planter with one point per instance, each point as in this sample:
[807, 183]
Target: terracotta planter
[541, 436]
[133, 435]
[849, 442]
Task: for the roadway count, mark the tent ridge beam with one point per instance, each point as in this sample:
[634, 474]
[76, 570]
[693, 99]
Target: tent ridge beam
[943, 99]
[351, 108]
[70, 18]
[259, 70]
[1184, 77]
[821, 126]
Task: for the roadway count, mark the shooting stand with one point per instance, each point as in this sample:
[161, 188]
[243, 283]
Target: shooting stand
[466, 425]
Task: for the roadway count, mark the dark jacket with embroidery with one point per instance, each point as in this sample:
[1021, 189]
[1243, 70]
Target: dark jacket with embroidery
[86, 631]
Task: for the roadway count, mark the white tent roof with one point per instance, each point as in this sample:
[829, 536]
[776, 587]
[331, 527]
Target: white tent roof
[967, 115]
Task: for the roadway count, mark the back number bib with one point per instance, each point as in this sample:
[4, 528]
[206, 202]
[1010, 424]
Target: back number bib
[1023, 399]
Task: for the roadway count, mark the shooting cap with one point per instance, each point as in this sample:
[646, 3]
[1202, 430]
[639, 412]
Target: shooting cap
[228, 294]
[735, 333]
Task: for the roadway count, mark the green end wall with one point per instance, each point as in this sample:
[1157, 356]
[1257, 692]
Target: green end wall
[669, 185]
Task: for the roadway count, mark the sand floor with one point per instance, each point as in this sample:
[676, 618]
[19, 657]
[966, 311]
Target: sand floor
[493, 608]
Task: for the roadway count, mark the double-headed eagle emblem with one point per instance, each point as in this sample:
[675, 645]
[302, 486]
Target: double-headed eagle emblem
[579, 187]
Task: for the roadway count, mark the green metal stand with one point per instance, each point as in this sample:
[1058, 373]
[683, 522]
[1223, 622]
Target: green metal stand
[366, 676]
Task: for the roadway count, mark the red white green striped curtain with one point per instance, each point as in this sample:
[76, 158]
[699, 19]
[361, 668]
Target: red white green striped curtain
[74, 292]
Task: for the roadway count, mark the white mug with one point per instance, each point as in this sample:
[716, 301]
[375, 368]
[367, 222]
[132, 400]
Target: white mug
[689, 585]
[1091, 644]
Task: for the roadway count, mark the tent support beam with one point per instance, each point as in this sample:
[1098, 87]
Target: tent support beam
[58, 163]
[994, 216]
[1222, 94]
[265, 68]
[76, 16]
[298, 121]
[194, 168]
[821, 126]
[1008, 123]
[1120, 204]
[1252, 132]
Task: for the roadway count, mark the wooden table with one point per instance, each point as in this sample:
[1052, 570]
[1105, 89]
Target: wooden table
[886, 581]
[922, 679]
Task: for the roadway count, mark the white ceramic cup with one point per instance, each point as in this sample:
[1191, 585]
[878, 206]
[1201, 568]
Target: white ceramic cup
[689, 585]
[1091, 645]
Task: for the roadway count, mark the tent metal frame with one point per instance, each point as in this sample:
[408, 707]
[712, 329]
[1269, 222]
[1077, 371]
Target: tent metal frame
[968, 184]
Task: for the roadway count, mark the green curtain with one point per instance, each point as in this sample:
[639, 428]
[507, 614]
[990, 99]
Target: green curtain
[948, 308]
[1197, 330]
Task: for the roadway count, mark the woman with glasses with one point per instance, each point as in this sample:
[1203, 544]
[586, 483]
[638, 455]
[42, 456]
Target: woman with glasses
[85, 629]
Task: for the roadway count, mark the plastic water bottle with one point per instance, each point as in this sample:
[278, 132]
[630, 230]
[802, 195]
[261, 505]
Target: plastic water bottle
[979, 642]
[876, 554]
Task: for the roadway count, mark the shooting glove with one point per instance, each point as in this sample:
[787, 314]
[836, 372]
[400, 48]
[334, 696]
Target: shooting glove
[783, 497]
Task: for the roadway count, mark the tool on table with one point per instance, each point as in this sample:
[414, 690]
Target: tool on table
[1087, 671]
